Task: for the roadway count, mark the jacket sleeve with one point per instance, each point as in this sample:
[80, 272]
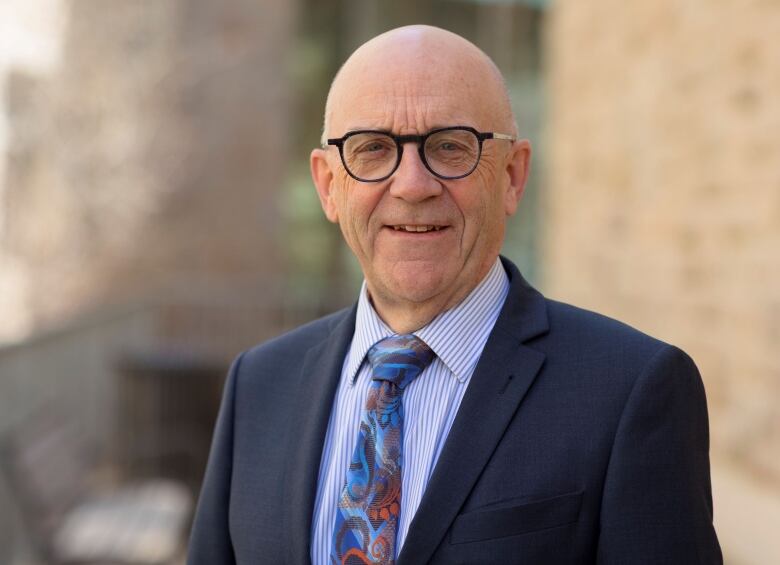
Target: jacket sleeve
[210, 542]
[657, 499]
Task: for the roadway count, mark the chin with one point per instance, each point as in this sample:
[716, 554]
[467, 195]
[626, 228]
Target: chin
[416, 282]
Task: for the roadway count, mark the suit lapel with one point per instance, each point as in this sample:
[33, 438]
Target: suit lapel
[319, 379]
[501, 379]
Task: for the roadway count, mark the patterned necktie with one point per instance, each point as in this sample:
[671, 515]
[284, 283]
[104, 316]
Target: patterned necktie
[370, 503]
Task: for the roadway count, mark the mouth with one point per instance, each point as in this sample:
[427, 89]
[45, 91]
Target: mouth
[417, 228]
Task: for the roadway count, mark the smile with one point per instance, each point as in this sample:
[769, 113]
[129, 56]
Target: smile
[417, 229]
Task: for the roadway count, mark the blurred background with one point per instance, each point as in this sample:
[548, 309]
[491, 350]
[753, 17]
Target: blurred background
[156, 218]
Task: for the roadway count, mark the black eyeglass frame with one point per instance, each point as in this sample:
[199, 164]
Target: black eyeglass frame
[401, 140]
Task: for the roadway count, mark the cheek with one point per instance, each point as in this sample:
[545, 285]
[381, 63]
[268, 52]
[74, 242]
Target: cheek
[482, 206]
[346, 196]
[480, 200]
[356, 203]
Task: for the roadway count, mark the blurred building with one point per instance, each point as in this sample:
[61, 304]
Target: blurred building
[663, 201]
[151, 157]
[139, 243]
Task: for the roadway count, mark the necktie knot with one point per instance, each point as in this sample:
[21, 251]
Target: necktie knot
[399, 359]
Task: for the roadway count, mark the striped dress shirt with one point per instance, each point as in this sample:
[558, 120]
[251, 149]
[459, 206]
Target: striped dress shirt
[431, 401]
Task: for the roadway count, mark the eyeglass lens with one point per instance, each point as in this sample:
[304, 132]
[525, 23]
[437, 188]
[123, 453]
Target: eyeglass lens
[449, 153]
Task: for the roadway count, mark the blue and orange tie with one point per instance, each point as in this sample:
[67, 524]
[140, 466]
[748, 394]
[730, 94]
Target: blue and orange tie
[370, 503]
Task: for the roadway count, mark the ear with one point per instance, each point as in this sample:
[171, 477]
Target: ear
[517, 166]
[322, 175]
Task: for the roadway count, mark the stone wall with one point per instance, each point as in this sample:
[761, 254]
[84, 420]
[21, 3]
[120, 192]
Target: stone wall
[663, 191]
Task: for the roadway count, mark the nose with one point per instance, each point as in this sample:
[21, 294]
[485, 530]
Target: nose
[412, 181]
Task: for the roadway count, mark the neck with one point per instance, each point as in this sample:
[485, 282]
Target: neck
[404, 317]
[406, 320]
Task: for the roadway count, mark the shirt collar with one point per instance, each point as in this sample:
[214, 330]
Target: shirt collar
[457, 336]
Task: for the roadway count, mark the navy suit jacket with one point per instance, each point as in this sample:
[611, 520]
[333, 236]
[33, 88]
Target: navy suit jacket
[579, 440]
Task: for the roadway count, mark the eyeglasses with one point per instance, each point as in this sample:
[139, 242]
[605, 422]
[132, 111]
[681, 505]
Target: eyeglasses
[449, 153]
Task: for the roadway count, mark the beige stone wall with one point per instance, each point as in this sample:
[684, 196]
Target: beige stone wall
[663, 191]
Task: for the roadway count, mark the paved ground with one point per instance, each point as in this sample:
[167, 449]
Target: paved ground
[747, 516]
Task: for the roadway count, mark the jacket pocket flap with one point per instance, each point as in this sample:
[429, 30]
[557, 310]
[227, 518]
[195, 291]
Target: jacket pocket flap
[510, 521]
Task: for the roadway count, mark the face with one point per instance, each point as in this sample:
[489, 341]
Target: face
[419, 238]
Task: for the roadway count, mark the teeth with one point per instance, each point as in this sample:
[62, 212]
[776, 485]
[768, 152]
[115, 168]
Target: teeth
[416, 228]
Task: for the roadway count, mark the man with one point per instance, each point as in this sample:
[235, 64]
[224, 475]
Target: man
[453, 415]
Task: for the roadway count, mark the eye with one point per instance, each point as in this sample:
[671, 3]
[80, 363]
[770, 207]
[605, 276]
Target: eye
[371, 147]
[375, 146]
[447, 146]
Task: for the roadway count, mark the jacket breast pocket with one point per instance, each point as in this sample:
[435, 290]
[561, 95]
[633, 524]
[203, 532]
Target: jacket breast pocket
[498, 522]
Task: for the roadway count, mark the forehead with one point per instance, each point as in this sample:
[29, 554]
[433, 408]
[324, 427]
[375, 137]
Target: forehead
[411, 96]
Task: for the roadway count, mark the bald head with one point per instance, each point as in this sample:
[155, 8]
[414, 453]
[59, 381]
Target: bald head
[423, 63]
